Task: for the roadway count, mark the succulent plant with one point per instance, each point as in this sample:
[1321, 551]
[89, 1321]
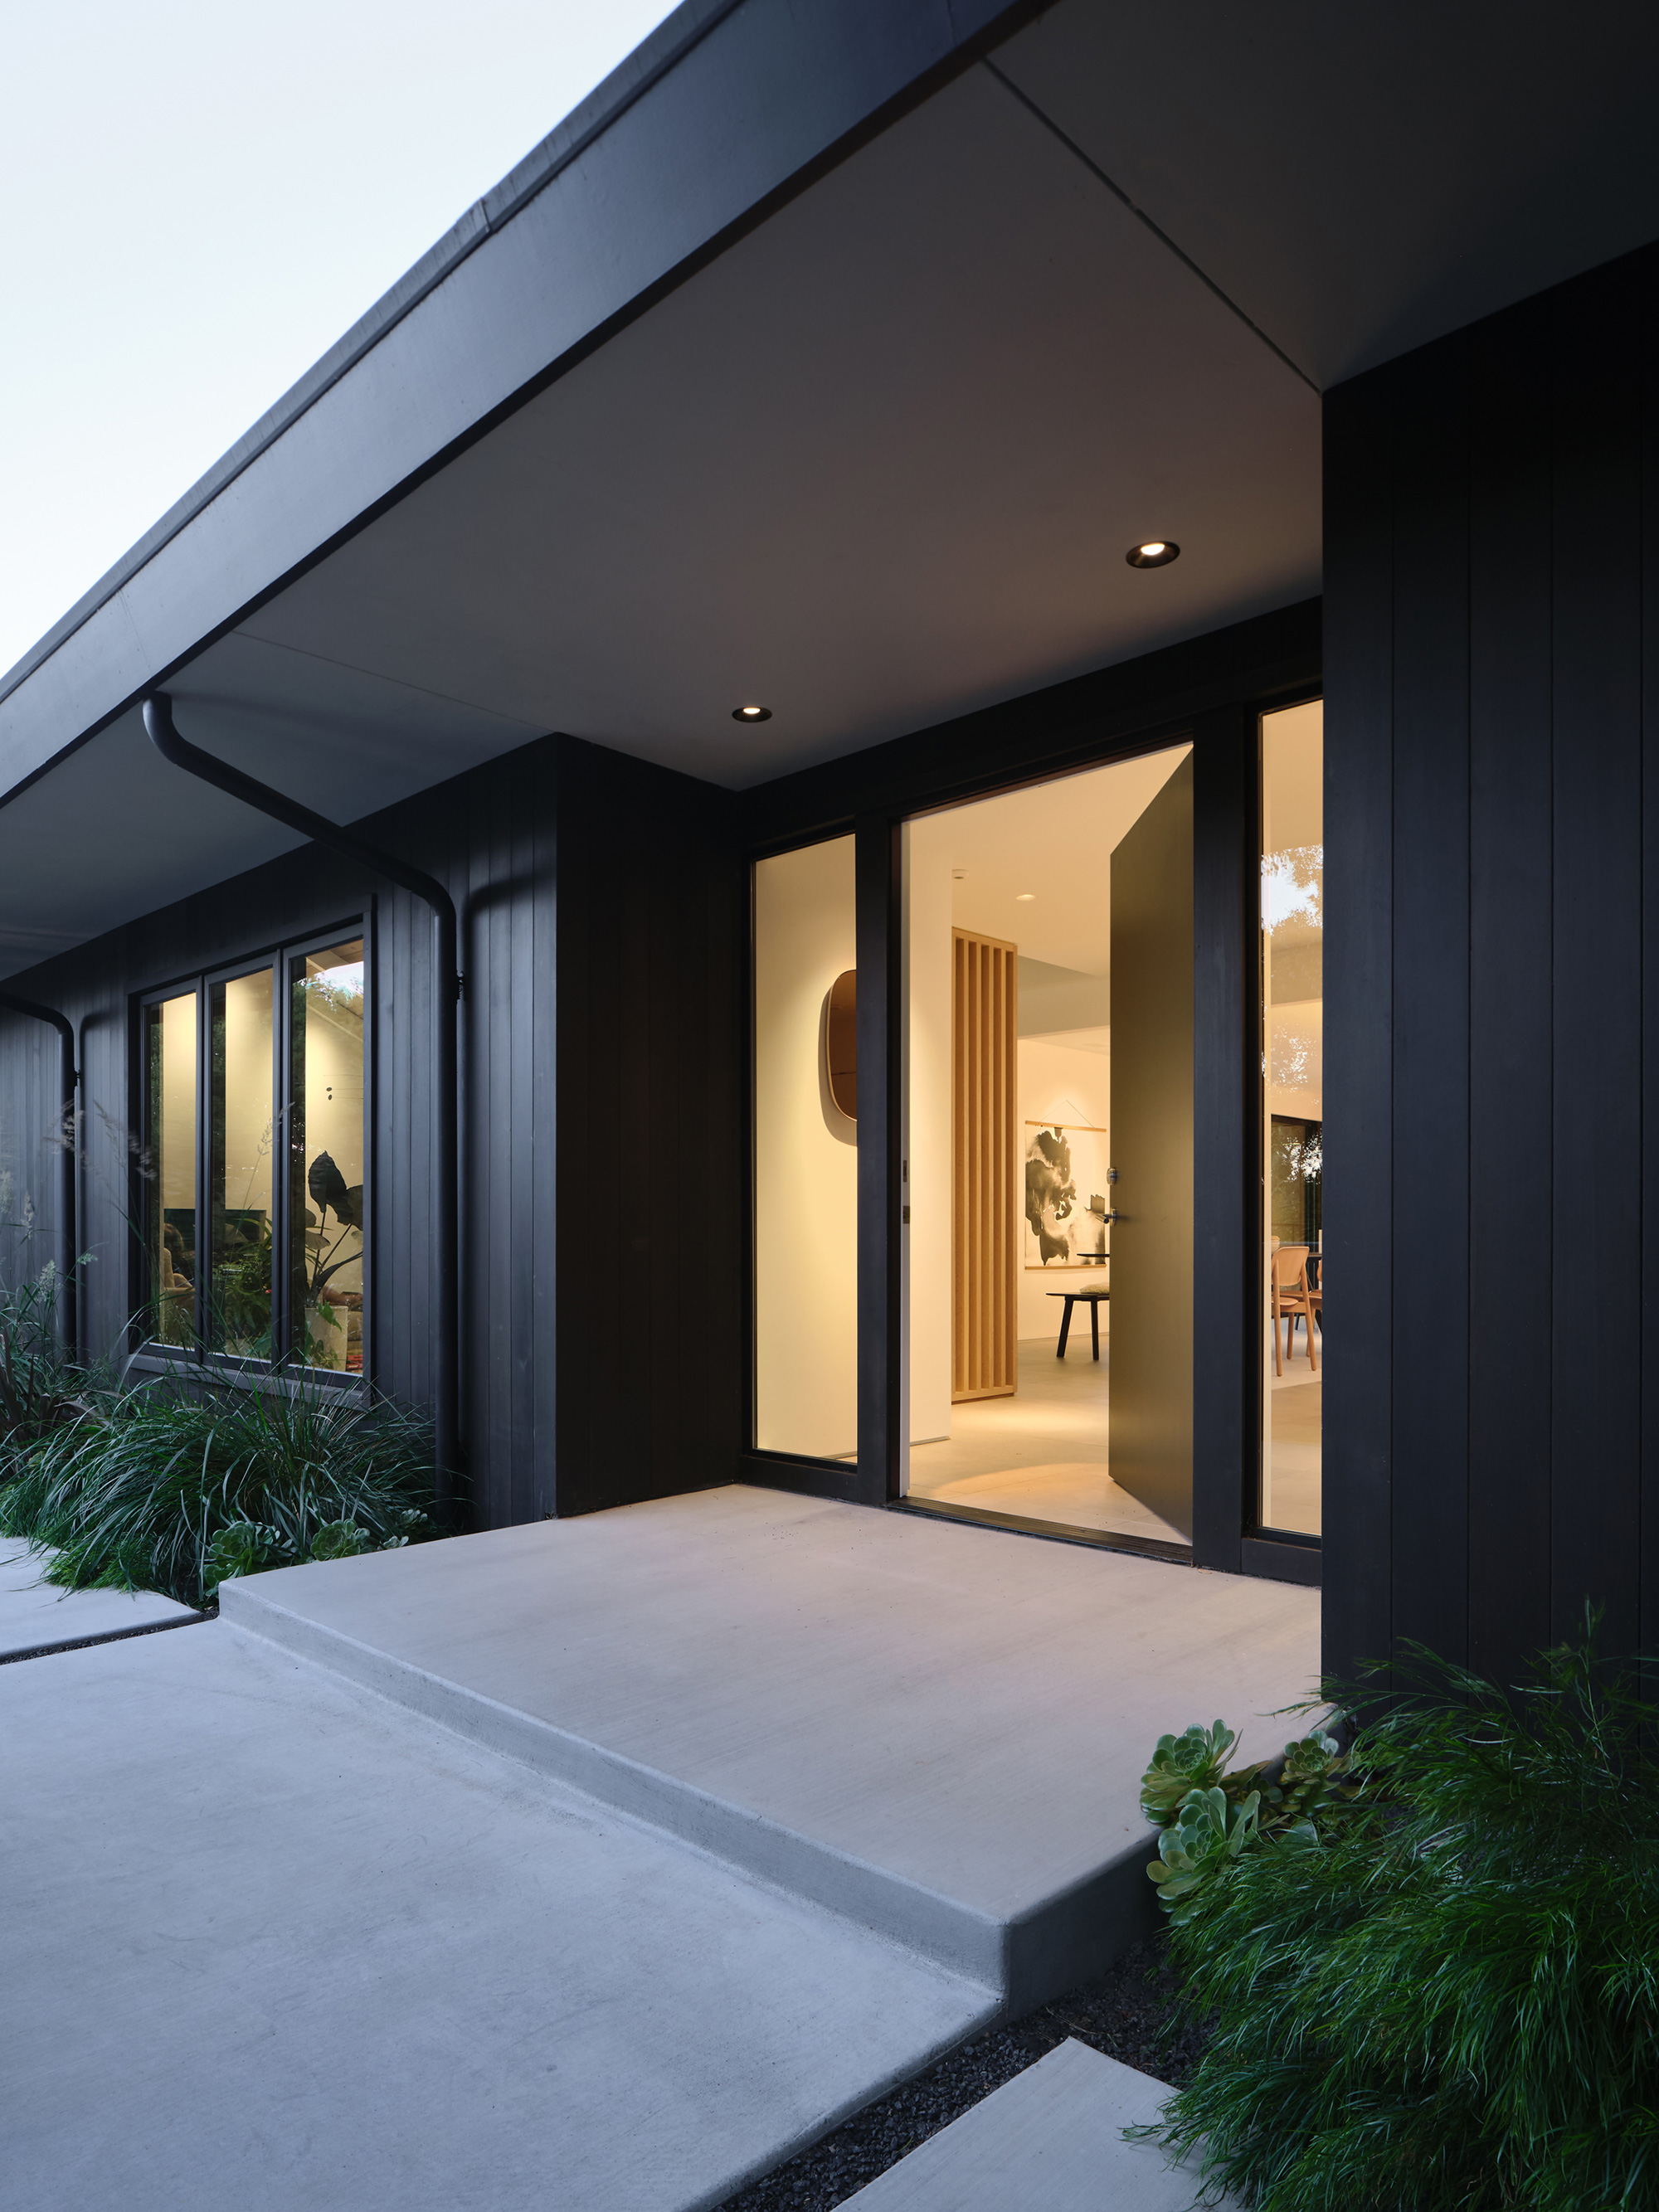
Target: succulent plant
[1208, 1833]
[244, 1547]
[341, 1539]
[1181, 1764]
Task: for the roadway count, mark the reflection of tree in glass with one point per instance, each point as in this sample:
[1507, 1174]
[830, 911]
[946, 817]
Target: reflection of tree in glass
[1050, 1192]
[1293, 1057]
[1293, 887]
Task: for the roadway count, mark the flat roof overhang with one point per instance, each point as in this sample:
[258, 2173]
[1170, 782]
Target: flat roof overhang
[830, 355]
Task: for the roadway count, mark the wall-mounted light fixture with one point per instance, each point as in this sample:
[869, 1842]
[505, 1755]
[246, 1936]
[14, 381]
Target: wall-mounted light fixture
[751, 714]
[1156, 553]
[1021, 897]
[840, 1043]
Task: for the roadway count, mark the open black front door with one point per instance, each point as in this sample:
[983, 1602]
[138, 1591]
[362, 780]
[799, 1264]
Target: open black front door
[1152, 1144]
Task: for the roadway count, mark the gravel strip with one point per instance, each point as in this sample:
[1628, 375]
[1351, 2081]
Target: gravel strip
[1127, 2014]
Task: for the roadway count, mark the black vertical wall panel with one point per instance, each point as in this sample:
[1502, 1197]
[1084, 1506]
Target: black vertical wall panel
[30, 1157]
[651, 1151]
[1485, 714]
[620, 1130]
[1596, 706]
[1510, 909]
[1431, 1018]
[1648, 1506]
[1359, 986]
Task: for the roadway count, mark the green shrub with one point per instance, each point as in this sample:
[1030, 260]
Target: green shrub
[166, 1490]
[39, 1389]
[1441, 1988]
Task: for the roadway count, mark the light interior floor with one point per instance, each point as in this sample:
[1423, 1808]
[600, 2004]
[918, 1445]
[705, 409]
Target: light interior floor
[1039, 1455]
[1042, 1454]
[1295, 1419]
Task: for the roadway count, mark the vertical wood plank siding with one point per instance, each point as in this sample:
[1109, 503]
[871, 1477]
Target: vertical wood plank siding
[624, 1149]
[1493, 939]
[985, 1218]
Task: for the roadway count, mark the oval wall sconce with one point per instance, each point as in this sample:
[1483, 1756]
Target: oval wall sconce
[840, 1043]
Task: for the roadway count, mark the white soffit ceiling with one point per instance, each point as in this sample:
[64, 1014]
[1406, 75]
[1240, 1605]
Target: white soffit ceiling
[114, 831]
[1054, 840]
[877, 465]
[1361, 179]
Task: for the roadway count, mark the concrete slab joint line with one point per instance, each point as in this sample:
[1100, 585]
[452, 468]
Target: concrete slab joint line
[937, 1738]
[37, 1617]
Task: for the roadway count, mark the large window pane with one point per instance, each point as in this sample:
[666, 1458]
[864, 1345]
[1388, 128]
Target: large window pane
[1292, 1063]
[325, 1157]
[170, 1232]
[806, 1155]
[241, 1130]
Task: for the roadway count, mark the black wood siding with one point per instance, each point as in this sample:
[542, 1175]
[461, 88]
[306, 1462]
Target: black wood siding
[617, 1142]
[1492, 982]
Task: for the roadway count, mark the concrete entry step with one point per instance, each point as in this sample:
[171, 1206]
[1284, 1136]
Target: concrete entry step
[934, 1730]
[272, 1943]
[1053, 2136]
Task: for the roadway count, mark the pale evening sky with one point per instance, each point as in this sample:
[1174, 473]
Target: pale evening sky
[200, 196]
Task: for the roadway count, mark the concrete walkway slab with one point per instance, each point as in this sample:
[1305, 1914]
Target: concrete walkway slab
[935, 1729]
[271, 1942]
[1051, 2137]
[35, 1615]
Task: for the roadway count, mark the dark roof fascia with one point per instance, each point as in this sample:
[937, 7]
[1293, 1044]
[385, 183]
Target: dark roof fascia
[674, 36]
[1129, 707]
[896, 51]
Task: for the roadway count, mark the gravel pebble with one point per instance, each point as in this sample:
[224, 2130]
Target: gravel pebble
[1133, 2013]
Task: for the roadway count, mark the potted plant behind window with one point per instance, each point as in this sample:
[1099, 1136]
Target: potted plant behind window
[326, 1327]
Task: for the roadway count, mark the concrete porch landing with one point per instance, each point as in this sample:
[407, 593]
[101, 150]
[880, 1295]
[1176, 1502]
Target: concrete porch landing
[937, 1731]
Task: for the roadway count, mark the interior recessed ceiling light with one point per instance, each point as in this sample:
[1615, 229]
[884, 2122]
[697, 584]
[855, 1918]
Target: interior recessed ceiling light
[751, 714]
[1156, 553]
[1024, 895]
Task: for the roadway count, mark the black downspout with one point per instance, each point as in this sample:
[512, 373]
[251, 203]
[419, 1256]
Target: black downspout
[158, 721]
[68, 1078]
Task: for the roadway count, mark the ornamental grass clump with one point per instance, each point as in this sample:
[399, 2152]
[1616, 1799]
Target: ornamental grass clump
[40, 1388]
[1439, 1986]
[167, 1490]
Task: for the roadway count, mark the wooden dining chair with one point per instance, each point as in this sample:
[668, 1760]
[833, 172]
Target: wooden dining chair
[1293, 1300]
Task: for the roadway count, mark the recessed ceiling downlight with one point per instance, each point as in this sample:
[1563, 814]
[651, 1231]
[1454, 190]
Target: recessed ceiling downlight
[1156, 553]
[751, 714]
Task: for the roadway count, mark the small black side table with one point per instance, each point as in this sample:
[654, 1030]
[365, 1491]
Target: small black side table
[1089, 1299]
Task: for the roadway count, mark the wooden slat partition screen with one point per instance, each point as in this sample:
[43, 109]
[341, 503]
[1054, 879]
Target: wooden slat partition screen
[984, 1207]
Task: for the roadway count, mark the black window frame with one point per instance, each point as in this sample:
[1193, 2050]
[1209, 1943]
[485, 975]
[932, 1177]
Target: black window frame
[198, 1357]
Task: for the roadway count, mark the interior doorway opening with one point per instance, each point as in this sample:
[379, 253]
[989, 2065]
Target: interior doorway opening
[1048, 1251]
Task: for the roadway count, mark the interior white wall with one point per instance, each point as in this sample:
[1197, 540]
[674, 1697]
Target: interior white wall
[177, 1165]
[928, 950]
[248, 1077]
[1058, 1083]
[806, 1160]
[334, 1103]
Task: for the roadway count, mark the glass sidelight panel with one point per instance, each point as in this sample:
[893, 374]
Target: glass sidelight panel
[1293, 1128]
[170, 1073]
[242, 1128]
[1048, 1155]
[325, 1157]
[805, 1194]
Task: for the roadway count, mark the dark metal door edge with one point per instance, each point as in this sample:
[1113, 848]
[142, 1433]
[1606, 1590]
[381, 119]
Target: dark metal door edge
[1056, 1532]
